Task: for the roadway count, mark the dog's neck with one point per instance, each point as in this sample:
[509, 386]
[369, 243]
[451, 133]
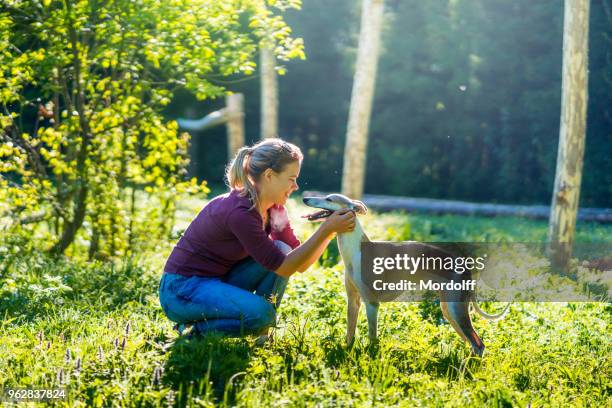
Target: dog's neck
[350, 242]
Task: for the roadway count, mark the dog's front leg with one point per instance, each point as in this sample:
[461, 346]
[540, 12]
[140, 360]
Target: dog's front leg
[372, 312]
[354, 302]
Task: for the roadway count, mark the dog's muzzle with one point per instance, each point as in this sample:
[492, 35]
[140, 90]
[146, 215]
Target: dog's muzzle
[318, 215]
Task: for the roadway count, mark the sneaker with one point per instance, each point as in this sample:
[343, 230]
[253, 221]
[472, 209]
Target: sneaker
[182, 327]
[265, 336]
[262, 340]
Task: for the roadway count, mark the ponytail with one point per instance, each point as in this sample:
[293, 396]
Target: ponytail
[238, 175]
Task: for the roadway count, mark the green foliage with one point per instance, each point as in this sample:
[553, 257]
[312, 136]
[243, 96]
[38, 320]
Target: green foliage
[32, 287]
[83, 86]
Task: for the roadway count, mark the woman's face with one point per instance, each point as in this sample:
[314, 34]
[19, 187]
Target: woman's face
[277, 187]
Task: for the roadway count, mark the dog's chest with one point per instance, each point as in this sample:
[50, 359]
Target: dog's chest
[350, 251]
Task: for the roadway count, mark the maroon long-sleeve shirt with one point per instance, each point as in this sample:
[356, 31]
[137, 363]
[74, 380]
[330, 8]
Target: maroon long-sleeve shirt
[225, 232]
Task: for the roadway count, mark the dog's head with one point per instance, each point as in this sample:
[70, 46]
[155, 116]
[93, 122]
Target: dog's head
[331, 203]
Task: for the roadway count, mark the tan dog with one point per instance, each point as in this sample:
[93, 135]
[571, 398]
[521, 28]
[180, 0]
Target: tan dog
[454, 305]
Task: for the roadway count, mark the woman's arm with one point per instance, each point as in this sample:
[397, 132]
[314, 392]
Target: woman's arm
[306, 254]
[317, 253]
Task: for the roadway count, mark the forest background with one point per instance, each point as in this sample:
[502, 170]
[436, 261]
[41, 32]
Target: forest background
[466, 106]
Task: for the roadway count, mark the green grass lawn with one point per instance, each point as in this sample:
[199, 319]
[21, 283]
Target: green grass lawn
[97, 329]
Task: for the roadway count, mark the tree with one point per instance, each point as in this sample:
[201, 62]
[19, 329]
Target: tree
[568, 176]
[361, 99]
[315, 95]
[269, 93]
[103, 72]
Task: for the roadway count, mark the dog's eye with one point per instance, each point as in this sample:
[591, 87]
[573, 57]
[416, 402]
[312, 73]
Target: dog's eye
[328, 199]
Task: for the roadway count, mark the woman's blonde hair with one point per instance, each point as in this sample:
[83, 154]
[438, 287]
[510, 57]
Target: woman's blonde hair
[250, 162]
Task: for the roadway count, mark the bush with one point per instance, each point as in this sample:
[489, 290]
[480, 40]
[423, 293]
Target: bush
[34, 284]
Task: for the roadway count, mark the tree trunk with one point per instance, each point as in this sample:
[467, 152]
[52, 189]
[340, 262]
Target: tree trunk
[572, 133]
[235, 123]
[269, 93]
[361, 99]
[71, 227]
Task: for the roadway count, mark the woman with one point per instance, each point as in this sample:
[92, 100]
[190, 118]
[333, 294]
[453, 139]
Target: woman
[229, 270]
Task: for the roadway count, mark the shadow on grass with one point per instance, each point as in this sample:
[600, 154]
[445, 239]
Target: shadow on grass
[204, 365]
[450, 363]
[338, 353]
[453, 365]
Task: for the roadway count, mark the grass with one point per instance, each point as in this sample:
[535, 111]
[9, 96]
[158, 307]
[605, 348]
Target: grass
[98, 330]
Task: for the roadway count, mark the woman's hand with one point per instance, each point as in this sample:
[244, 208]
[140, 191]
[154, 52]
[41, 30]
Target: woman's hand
[340, 221]
[306, 254]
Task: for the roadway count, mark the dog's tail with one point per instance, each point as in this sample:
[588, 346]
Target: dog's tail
[491, 317]
[487, 316]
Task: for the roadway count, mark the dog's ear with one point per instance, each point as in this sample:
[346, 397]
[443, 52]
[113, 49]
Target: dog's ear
[360, 207]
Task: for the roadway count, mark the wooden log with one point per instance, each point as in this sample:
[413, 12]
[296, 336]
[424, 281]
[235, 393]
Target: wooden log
[211, 120]
[434, 206]
[232, 115]
[574, 95]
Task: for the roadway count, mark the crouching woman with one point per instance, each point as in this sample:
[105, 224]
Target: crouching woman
[229, 270]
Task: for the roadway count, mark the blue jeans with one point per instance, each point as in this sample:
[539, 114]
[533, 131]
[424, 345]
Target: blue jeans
[227, 304]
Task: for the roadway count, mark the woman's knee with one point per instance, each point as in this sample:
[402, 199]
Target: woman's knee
[169, 303]
[285, 249]
[164, 295]
[263, 316]
[175, 296]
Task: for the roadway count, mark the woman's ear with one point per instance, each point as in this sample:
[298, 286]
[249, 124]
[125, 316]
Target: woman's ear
[267, 174]
[360, 207]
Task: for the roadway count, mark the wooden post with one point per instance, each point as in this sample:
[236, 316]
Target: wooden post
[269, 93]
[232, 115]
[570, 155]
[353, 174]
[235, 123]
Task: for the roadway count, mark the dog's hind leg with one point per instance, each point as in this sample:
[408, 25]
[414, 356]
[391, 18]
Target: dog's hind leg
[372, 313]
[457, 314]
[353, 304]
